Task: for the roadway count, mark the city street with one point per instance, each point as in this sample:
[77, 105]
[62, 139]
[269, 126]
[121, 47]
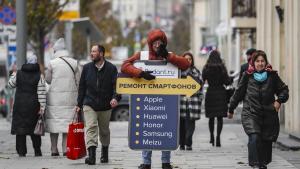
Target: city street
[59, 54]
[232, 154]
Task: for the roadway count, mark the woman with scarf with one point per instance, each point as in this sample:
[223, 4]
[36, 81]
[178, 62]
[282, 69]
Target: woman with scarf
[257, 88]
[190, 107]
[29, 103]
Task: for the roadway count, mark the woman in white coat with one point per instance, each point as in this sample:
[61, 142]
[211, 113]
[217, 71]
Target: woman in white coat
[62, 75]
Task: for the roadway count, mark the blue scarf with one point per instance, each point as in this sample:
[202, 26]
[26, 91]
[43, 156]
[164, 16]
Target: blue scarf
[260, 77]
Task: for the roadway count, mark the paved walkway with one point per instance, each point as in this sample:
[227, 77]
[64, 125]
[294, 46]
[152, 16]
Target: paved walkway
[232, 154]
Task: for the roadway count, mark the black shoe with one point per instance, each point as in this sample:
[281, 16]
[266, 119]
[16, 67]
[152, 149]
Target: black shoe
[54, 154]
[263, 167]
[37, 152]
[218, 141]
[104, 154]
[166, 166]
[91, 159]
[145, 166]
[181, 147]
[212, 140]
[22, 155]
[189, 148]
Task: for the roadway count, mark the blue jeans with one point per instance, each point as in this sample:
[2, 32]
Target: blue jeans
[165, 156]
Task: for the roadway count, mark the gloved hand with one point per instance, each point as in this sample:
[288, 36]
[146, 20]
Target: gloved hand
[147, 75]
[162, 51]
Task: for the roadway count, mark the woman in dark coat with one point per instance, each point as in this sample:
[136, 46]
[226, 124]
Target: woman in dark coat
[28, 104]
[257, 89]
[215, 73]
[190, 107]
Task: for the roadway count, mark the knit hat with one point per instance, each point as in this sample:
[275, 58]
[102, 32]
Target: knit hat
[59, 45]
[31, 59]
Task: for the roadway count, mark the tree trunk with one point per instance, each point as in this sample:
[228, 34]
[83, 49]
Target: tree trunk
[40, 53]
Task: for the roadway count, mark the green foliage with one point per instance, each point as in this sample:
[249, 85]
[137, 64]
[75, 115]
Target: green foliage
[99, 12]
[42, 15]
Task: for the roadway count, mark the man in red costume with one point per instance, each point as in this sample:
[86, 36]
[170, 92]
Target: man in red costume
[157, 42]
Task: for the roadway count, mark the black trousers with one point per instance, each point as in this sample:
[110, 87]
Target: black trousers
[187, 128]
[21, 143]
[259, 151]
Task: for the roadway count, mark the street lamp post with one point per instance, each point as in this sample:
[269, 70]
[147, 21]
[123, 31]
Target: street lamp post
[21, 32]
[190, 4]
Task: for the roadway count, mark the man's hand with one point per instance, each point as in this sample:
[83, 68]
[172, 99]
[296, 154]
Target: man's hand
[162, 51]
[230, 115]
[277, 105]
[147, 75]
[113, 103]
[77, 109]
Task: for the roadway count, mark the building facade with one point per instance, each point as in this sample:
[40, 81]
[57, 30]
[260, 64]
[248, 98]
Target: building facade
[278, 33]
[228, 25]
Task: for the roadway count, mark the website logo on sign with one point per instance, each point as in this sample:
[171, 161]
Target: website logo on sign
[78, 130]
[157, 72]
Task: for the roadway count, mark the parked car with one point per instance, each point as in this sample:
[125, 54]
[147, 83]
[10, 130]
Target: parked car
[6, 102]
[121, 112]
[3, 104]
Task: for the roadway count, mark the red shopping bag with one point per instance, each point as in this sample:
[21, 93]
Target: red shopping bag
[75, 139]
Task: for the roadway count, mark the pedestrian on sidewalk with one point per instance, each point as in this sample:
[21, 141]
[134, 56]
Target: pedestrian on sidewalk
[29, 104]
[257, 88]
[97, 96]
[157, 42]
[62, 75]
[215, 74]
[244, 67]
[190, 107]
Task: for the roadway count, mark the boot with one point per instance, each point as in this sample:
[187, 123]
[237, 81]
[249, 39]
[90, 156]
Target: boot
[91, 159]
[262, 167]
[212, 140]
[145, 166]
[104, 154]
[166, 166]
[37, 152]
[218, 142]
[189, 148]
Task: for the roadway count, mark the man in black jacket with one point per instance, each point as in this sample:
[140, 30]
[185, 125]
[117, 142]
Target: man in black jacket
[245, 66]
[97, 96]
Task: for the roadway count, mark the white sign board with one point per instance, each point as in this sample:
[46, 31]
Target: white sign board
[166, 71]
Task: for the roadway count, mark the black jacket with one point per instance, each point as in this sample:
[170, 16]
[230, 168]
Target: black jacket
[98, 87]
[244, 68]
[259, 114]
[216, 97]
[26, 105]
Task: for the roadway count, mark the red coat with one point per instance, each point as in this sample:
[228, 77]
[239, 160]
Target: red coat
[180, 62]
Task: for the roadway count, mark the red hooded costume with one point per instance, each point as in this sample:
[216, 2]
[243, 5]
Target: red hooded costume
[153, 35]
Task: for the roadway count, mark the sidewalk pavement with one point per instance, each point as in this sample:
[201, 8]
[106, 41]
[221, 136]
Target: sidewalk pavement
[232, 154]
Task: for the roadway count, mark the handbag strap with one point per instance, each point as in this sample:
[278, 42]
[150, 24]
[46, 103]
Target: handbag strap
[77, 117]
[71, 69]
